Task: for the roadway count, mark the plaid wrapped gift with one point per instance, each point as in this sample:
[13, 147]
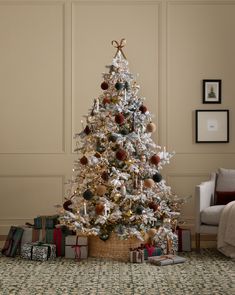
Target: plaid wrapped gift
[137, 255]
[38, 251]
[150, 250]
[166, 259]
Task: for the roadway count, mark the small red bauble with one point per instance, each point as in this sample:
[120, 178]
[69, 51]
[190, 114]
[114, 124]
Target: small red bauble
[143, 109]
[119, 119]
[104, 85]
[155, 159]
[121, 155]
[153, 206]
[106, 100]
[99, 209]
[84, 160]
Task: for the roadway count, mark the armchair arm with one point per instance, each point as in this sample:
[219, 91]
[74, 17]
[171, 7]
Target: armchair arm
[204, 197]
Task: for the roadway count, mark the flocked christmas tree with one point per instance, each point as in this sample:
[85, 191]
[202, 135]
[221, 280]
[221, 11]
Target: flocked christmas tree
[116, 184]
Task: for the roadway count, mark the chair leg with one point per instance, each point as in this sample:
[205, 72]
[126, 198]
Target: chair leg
[197, 237]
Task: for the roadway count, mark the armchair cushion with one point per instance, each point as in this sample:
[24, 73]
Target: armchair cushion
[211, 215]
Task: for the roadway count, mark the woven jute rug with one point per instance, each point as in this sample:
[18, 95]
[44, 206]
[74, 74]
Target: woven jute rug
[206, 273]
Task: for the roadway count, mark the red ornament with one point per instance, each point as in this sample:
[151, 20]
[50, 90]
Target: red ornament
[87, 130]
[106, 100]
[121, 155]
[67, 204]
[153, 206]
[143, 109]
[155, 159]
[104, 85]
[99, 208]
[119, 119]
[84, 160]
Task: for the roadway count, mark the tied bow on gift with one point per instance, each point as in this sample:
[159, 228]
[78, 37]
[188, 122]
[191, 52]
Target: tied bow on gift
[77, 250]
[150, 249]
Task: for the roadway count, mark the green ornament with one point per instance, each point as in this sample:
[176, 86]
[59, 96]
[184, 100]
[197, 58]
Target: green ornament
[119, 86]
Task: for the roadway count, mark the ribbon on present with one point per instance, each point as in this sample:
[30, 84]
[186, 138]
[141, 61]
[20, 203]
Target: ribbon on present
[150, 249]
[180, 238]
[77, 250]
[137, 254]
[57, 237]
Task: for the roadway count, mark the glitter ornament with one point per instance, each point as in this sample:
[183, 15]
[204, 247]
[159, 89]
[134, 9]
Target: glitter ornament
[119, 119]
[148, 183]
[157, 177]
[129, 213]
[101, 190]
[106, 100]
[125, 130]
[112, 137]
[105, 176]
[104, 236]
[151, 127]
[119, 86]
[143, 109]
[155, 159]
[153, 206]
[117, 196]
[99, 208]
[100, 149]
[88, 195]
[84, 160]
[67, 204]
[104, 85]
[121, 155]
[139, 210]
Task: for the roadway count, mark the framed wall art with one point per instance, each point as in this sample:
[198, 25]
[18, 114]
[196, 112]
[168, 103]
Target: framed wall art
[212, 126]
[211, 91]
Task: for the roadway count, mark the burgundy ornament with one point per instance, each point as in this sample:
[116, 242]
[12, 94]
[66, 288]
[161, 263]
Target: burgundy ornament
[153, 206]
[67, 204]
[84, 160]
[105, 176]
[121, 155]
[106, 100]
[104, 85]
[119, 119]
[143, 109]
[155, 159]
[87, 130]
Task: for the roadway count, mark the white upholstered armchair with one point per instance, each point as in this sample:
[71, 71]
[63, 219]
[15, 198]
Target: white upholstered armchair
[210, 198]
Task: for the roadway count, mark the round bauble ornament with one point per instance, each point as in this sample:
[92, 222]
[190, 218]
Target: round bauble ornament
[88, 195]
[152, 232]
[148, 183]
[125, 130]
[155, 159]
[104, 85]
[101, 190]
[106, 100]
[129, 213]
[104, 236]
[119, 86]
[99, 208]
[143, 109]
[119, 119]
[84, 160]
[121, 155]
[151, 127]
[139, 210]
[143, 158]
[97, 155]
[112, 137]
[105, 176]
[117, 196]
[153, 206]
[157, 177]
[115, 99]
[100, 149]
[87, 130]
[67, 204]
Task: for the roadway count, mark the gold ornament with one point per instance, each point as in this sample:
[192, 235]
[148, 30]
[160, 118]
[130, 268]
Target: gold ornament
[101, 190]
[151, 127]
[149, 182]
[117, 196]
[152, 232]
[129, 213]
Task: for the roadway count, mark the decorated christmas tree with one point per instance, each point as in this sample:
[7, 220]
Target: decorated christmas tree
[117, 186]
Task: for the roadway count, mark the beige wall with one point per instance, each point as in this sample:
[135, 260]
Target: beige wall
[52, 54]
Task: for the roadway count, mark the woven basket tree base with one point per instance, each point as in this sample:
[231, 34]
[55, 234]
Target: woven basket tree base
[113, 248]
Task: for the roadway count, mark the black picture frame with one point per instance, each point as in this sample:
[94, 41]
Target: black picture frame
[212, 91]
[212, 126]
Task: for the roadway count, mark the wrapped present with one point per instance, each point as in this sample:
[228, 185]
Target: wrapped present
[184, 239]
[38, 251]
[76, 247]
[13, 240]
[27, 236]
[151, 250]
[166, 259]
[48, 222]
[137, 255]
[59, 235]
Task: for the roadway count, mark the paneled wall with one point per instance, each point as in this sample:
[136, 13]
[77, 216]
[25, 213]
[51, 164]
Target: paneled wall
[52, 55]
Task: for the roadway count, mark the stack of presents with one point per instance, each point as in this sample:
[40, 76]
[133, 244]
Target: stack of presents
[46, 240]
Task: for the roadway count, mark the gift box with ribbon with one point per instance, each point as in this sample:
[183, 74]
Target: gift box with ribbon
[76, 247]
[166, 259]
[184, 239]
[137, 255]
